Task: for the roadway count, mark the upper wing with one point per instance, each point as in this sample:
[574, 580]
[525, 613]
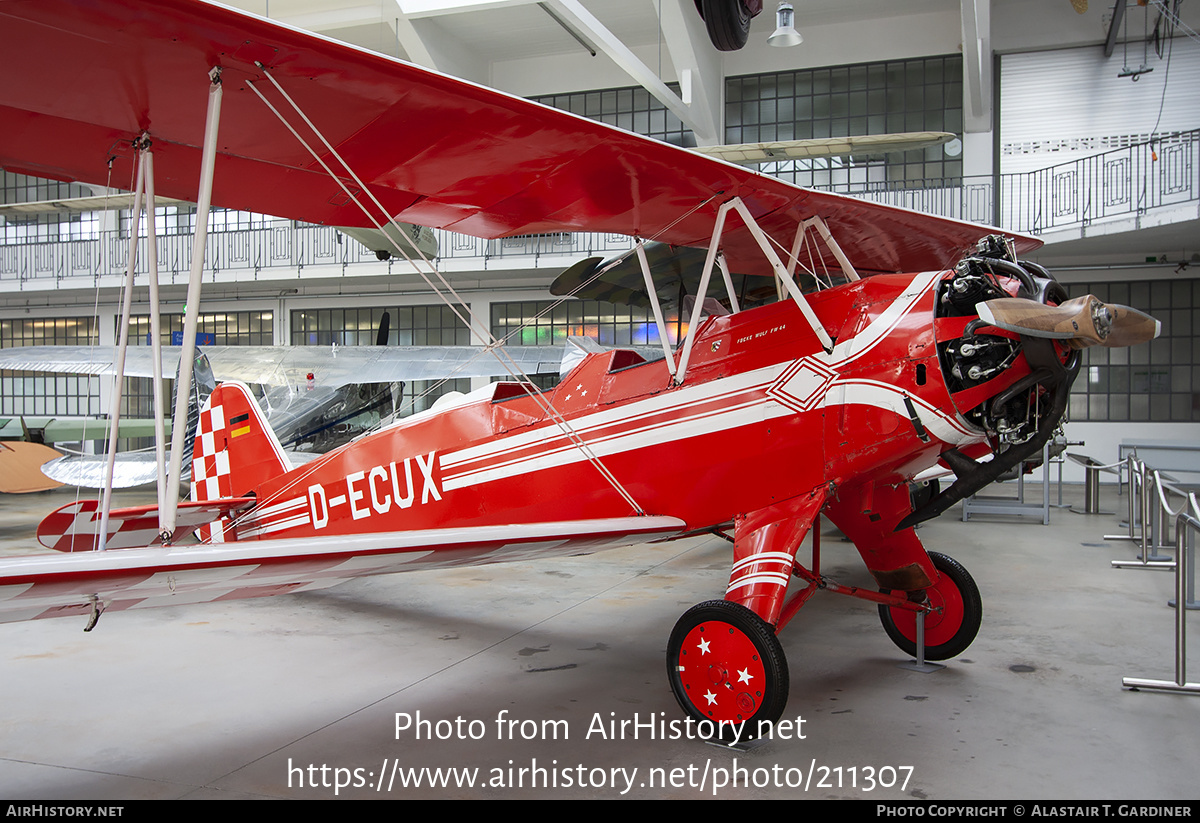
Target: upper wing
[291, 365]
[434, 150]
[97, 360]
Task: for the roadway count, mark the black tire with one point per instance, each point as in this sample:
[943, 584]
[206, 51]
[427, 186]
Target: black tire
[948, 633]
[727, 22]
[715, 683]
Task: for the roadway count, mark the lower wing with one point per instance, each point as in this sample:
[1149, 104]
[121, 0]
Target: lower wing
[91, 582]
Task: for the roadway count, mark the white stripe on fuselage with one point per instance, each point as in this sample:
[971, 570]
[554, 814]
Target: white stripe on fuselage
[883, 325]
[680, 414]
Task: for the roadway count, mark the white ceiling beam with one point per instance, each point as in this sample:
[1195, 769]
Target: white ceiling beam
[977, 64]
[573, 12]
[429, 44]
[697, 65]
[416, 9]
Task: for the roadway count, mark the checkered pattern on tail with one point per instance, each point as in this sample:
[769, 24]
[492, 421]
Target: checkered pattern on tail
[234, 452]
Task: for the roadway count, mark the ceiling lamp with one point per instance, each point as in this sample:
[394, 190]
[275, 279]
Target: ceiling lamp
[785, 30]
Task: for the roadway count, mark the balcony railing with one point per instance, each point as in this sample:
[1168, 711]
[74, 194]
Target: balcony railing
[1123, 182]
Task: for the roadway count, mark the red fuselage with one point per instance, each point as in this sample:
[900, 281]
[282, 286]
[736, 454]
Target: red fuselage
[763, 415]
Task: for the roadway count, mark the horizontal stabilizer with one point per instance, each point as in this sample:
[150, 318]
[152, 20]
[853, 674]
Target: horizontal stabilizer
[75, 526]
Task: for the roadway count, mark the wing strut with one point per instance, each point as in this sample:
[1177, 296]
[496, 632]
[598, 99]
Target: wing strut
[114, 413]
[702, 290]
[192, 314]
[764, 243]
[656, 304]
[836, 250]
[160, 460]
[782, 274]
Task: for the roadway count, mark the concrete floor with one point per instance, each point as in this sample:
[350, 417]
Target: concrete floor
[238, 700]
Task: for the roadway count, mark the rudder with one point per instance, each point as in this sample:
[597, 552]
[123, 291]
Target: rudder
[234, 451]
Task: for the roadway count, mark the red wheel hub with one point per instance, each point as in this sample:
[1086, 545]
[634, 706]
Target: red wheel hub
[721, 672]
[940, 626]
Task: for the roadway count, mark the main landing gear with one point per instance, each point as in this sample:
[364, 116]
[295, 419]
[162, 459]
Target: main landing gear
[726, 666]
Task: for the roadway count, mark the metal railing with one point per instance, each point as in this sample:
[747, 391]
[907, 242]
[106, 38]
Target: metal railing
[1127, 181]
[1149, 508]
[963, 198]
[1186, 527]
[286, 245]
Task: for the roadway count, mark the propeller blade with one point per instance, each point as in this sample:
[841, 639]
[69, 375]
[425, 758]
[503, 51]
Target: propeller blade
[1131, 327]
[1084, 321]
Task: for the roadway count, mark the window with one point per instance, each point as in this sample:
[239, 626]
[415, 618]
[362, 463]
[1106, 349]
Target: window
[240, 328]
[550, 323]
[1155, 381]
[43, 228]
[49, 394]
[633, 109]
[407, 326]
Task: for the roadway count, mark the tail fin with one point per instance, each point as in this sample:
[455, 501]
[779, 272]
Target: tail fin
[234, 450]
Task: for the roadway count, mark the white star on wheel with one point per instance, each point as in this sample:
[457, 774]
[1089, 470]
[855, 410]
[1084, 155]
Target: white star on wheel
[744, 676]
[703, 647]
[711, 698]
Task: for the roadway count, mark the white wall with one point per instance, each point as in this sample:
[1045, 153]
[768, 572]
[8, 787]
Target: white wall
[887, 37]
[1060, 105]
[1102, 441]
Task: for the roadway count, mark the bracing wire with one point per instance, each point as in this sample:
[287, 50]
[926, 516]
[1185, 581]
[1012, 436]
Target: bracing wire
[460, 309]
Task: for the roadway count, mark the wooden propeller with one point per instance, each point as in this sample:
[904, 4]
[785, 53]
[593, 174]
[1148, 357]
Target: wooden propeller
[1084, 321]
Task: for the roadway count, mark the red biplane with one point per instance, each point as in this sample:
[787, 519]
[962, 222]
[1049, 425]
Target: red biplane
[931, 344]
